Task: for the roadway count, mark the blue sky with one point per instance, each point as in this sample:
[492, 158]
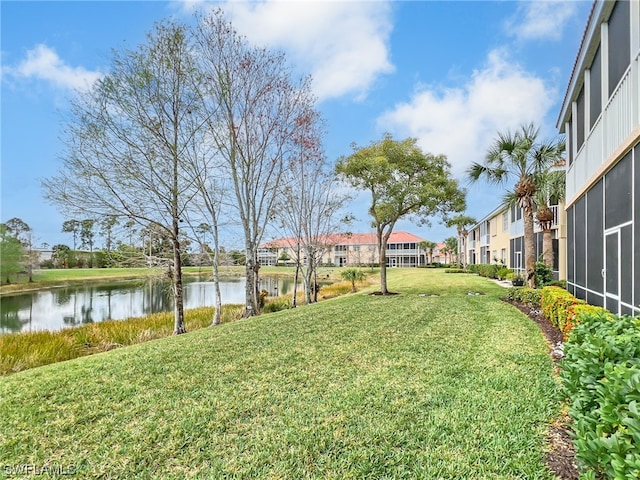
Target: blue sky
[450, 73]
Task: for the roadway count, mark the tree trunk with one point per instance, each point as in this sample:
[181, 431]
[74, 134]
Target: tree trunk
[251, 299]
[382, 256]
[547, 248]
[529, 247]
[217, 315]
[176, 279]
[308, 276]
[294, 301]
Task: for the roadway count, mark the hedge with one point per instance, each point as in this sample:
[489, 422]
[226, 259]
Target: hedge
[529, 296]
[576, 312]
[601, 378]
[555, 305]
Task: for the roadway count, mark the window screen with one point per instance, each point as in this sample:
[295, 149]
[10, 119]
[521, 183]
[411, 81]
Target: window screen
[595, 102]
[580, 121]
[619, 43]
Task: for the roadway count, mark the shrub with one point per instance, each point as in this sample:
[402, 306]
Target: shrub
[544, 274]
[489, 271]
[555, 304]
[503, 273]
[455, 270]
[601, 378]
[473, 268]
[576, 312]
[526, 295]
[558, 283]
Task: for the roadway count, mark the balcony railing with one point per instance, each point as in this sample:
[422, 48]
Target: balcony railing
[617, 121]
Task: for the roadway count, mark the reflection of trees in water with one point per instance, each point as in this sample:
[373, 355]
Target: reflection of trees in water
[10, 308]
[156, 296]
[62, 295]
[71, 306]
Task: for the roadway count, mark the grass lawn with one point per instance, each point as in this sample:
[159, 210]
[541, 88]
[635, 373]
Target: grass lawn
[409, 386]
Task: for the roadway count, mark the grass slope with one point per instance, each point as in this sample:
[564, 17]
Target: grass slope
[449, 386]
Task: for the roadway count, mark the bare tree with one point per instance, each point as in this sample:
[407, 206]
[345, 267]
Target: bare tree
[127, 139]
[258, 107]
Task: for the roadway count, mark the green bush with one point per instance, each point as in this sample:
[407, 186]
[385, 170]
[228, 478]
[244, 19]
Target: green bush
[526, 295]
[455, 270]
[601, 378]
[489, 271]
[473, 268]
[503, 273]
[558, 283]
[544, 274]
[576, 312]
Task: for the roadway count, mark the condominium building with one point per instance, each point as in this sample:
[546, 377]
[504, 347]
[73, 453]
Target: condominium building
[499, 238]
[600, 116]
[403, 250]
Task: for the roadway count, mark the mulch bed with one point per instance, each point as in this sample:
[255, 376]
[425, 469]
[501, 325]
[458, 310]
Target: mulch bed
[560, 454]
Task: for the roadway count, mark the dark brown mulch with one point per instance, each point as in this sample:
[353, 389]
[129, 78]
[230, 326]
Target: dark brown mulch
[380, 293]
[560, 454]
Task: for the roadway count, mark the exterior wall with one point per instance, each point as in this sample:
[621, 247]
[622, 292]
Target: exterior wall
[505, 240]
[351, 250]
[600, 116]
[500, 238]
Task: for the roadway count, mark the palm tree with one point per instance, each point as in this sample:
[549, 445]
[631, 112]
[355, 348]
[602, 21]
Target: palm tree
[353, 275]
[461, 222]
[520, 157]
[428, 247]
[452, 246]
[445, 251]
[551, 186]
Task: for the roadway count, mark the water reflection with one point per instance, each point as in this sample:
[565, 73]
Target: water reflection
[78, 305]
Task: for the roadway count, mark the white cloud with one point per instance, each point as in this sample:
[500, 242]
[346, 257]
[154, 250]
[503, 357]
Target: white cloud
[462, 122]
[43, 63]
[541, 19]
[344, 45]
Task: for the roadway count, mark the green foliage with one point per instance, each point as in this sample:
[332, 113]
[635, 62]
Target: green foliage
[473, 267]
[526, 295]
[601, 377]
[11, 254]
[456, 270]
[555, 305]
[544, 274]
[489, 271]
[503, 273]
[353, 275]
[576, 312]
[402, 181]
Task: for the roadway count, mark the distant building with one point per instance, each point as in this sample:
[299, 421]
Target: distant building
[600, 116]
[351, 249]
[499, 238]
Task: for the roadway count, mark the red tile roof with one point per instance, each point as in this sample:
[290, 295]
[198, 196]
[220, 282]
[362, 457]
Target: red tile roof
[349, 239]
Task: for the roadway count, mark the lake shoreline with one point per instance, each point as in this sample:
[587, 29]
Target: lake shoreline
[81, 277]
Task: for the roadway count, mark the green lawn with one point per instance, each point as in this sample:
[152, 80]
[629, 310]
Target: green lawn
[451, 386]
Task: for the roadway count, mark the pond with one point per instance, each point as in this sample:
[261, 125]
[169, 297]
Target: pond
[63, 307]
